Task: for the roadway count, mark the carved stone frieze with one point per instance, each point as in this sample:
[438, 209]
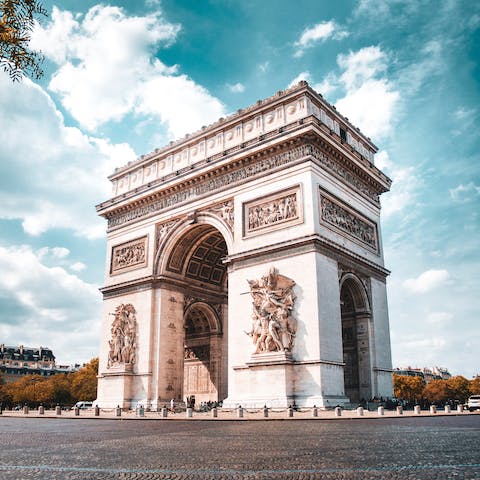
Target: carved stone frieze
[348, 221]
[129, 255]
[277, 210]
[251, 168]
[273, 326]
[123, 344]
[225, 211]
[161, 231]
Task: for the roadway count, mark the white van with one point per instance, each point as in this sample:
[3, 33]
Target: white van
[473, 403]
[83, 405]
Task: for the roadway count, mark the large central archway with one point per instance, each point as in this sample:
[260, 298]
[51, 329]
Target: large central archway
[193, 264]
[355, 316]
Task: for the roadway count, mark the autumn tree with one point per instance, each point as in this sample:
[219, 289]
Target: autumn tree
[458, 388]
[17, 19]
[84, 382]
[409, 388]
[475, 386]
[436, 391]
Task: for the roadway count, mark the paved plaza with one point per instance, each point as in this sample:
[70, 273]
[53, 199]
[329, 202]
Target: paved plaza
[57, 448]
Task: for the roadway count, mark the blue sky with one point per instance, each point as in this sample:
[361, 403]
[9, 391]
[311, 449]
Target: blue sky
[124, 78]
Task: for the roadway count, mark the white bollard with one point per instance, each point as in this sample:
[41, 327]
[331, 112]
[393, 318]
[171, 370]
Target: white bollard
[460, 408]
[41, 410]
[265, 412]
[25, 410]
[77, 411]
[338, 412]
[399, 410]
[58, 410]
[417, 410]
[189, 412]
[433, 409]
[360, 411]
[448, 409]
[240, 412]
[164, 412]
[290, 411]
[315, 411]
[214, 412]
[381, 411]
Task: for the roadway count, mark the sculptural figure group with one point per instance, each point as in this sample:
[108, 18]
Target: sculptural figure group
[123, 342]
[273, 326]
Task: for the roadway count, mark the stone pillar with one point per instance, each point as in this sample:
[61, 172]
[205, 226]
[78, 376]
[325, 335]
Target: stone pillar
[41, 410]
[77, 411]
[433, 409]
[58, 410]
[315, 411]
[399, 410]
[360, 411]
[118, 411]
[189, 412]
[338, 412]
[265, 411]
[164, 412]
[214, 412]
[417, 410]
[240, 412]
[460, 408]
[381, 411]
[448, 409]
[25, 410]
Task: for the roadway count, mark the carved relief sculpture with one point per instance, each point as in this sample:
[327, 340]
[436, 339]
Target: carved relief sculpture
[124, 331]
[129, 255]
[225, 212]
[161, 231]
[279, 209]
[348, 222]
[273, 326]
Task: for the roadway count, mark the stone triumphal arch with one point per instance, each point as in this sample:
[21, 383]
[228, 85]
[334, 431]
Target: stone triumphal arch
[245, 264]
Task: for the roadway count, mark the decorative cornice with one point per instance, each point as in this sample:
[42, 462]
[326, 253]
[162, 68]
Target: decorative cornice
[310, 243]
[326, 112]
[272, 158]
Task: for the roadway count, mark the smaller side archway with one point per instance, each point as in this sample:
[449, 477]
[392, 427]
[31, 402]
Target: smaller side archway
[356, 341]
[202, 378]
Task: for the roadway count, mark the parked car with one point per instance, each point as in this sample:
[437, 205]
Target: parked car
[83, 405]
[473, 403]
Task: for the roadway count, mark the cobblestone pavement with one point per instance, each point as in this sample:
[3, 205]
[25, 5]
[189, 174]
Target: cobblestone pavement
[442, 447]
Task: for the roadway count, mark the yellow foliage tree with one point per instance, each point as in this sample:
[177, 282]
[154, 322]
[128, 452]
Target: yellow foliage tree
[408, 388]
[17, 19]
[84, 383]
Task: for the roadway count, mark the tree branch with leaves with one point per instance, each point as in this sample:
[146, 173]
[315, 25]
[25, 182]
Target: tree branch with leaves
[17, 20]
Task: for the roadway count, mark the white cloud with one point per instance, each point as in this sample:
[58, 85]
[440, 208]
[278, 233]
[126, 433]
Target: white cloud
[52, 175]
[47, 306]
[427, 281]
[302, 76]
[369, 102]
[77, 266]
[325, 87]
[439, 318]
[54, 252]
[318, 33]
[236, 88]
[107, 70]
[464, 193]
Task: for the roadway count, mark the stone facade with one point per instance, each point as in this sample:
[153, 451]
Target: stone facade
[250, 253]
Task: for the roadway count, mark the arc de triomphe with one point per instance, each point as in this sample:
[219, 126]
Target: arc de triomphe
[245, 265]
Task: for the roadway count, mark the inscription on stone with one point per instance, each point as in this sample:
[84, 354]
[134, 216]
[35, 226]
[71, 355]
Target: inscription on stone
[129, 256]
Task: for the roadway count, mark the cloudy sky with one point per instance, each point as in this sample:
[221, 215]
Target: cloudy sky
[124, 78]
